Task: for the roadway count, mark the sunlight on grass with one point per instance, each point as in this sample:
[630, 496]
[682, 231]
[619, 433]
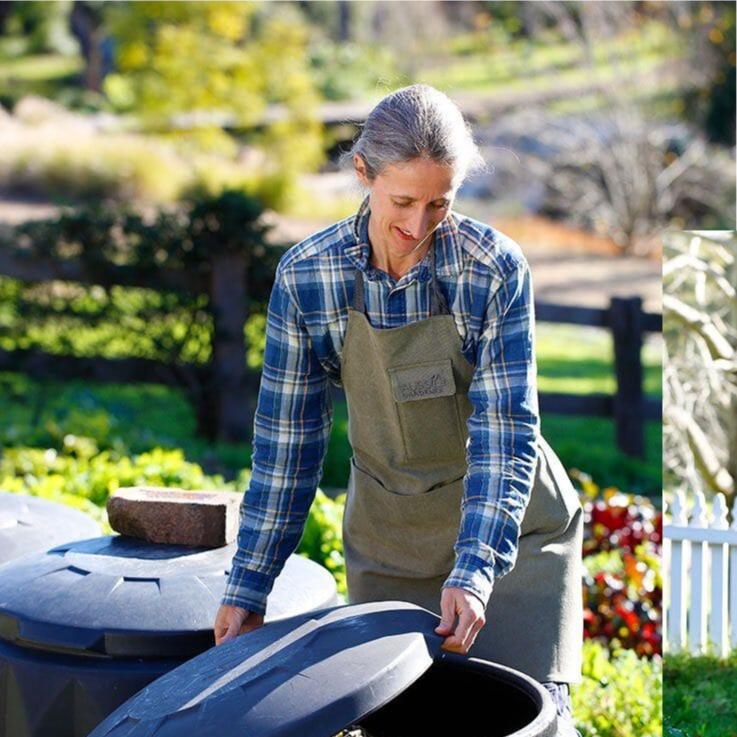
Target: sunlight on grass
[700, 696]
[572, 359]
[522, 65]
[43, 67]
[480, 77]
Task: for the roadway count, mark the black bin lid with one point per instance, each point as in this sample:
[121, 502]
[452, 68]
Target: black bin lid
[29, 524]
[307, 676]
[118, 596]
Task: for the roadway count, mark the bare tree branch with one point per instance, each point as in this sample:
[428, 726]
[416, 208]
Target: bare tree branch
[718, 478]
[700, 323]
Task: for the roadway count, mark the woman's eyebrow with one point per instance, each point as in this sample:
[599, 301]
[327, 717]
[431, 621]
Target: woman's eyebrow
[412, 199]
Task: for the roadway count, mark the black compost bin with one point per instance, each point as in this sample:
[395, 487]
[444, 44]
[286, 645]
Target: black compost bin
[29, 524]
[86, 625]
[377, 666]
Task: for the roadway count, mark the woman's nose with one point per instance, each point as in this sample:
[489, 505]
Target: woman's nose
[419, 224]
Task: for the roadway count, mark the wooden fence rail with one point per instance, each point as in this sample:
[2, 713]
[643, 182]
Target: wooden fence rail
[700, 571]
[224, 390]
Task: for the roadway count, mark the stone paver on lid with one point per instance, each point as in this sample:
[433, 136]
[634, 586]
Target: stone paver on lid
[175, 516]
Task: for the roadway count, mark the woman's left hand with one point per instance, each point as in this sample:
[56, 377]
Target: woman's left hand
[455, 602]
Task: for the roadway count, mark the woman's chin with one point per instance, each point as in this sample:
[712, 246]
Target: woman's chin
[402, 246]
[404, 249]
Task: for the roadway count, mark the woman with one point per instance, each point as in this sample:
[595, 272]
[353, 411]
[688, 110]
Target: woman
[426, 318]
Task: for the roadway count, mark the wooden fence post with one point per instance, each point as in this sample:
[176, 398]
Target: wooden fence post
[625, 315]
[228, 390]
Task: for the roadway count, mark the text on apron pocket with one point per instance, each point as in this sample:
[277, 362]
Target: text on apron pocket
[427, 405]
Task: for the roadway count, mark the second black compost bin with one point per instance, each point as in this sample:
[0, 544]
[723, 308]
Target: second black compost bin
[376, 666]
[86, 625]
[29, 525]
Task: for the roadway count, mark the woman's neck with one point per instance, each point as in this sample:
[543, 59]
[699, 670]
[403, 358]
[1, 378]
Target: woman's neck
[395, 269]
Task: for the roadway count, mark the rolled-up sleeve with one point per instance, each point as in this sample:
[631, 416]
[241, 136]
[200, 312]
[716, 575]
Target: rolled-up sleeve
[291, 430]
[502, 445]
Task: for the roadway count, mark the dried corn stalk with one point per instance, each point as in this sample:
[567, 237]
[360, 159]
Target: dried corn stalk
[700, 367]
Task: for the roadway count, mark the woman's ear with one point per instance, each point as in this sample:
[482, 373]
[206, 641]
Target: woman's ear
[360, 166]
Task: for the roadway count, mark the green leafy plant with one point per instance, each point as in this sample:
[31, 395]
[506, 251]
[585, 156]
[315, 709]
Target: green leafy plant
[621, 694]
[80, 471]
[322, 540]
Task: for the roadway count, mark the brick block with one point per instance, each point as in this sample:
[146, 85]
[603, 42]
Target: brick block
[174, 516]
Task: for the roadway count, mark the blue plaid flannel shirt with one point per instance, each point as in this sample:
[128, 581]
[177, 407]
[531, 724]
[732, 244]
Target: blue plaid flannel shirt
[486, 281]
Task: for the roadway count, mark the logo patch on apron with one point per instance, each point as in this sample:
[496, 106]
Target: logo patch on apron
[423, 381]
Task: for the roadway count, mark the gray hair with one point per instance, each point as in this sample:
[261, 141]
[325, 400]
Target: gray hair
[416, 122]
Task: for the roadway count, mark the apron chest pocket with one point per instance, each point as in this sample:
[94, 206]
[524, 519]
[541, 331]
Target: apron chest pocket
[427, 405]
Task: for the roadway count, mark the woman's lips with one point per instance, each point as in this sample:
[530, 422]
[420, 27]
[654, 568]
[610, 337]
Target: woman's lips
[403, 235]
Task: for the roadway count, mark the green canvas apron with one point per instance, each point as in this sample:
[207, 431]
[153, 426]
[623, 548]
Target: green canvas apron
[407, 394]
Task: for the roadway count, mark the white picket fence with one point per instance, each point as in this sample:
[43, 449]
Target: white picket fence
[700, 569]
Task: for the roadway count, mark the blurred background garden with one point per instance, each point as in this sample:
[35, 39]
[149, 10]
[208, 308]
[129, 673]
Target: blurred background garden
[154, 154]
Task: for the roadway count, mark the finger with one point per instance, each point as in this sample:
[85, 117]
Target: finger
[458, 642]
[451, 645]
[447, 612]
[232, 631]
[463, 630]
[220, 629]
[474, 633]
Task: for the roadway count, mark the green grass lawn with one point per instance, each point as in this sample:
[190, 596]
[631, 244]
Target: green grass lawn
[700, 696]
[579, 360]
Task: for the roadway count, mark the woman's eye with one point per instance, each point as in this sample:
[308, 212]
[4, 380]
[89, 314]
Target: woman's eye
[437, 206]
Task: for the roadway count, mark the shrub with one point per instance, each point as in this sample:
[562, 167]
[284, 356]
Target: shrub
[616, 520]
[623, 598]
[623, 584]
[80, 471]
[621, 694]
[322, 540]
[68, 160]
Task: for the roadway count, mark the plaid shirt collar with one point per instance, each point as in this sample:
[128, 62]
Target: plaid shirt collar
[448, 254]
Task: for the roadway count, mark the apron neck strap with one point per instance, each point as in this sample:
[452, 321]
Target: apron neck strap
[438, 303]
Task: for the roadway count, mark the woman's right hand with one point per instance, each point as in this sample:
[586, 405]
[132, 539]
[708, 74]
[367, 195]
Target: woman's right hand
[232, 621]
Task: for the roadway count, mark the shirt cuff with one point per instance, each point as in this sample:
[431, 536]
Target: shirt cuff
[473, 574]
[247, 589]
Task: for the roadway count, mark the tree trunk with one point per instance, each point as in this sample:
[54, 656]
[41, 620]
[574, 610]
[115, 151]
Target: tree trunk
[345, 16]
[5, 7]
[86, 27]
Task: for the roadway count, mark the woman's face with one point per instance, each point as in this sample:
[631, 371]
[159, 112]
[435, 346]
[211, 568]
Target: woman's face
[408, 201]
